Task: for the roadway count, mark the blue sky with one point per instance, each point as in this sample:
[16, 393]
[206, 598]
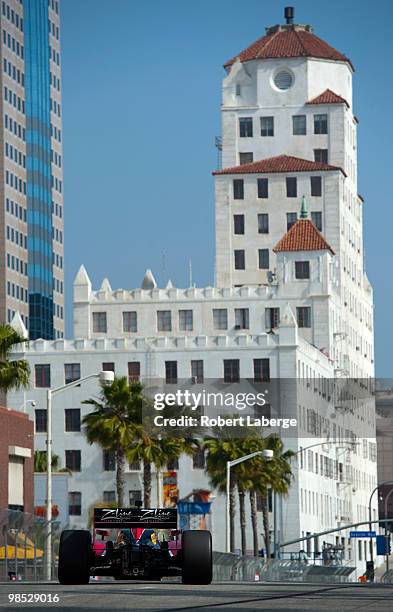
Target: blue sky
[141, 96]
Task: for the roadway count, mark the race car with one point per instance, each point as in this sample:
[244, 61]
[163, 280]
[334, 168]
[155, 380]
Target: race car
[135, 543]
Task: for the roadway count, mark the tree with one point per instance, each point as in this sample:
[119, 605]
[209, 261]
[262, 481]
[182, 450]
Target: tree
[275, 473]
[113, 423]
[254, 475]
[121, 423]
[13, 374]
[219, 451]
[152, 448]
[40, 462]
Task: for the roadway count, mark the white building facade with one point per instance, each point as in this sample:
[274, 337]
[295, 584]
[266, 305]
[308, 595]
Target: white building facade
[291, 301]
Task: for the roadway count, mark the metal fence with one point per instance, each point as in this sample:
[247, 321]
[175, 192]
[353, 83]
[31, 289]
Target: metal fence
[22, 557]
[227, 566]
[22, 546]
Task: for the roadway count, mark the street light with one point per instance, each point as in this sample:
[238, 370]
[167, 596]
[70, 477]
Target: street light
[386, 527]
[106, 378]
[276, 546]
[380, 484]
[268, 455]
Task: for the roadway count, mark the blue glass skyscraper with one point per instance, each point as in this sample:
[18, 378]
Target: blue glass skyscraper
[32, 198]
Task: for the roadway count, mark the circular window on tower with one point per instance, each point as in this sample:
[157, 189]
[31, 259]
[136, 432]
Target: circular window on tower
[283, 80]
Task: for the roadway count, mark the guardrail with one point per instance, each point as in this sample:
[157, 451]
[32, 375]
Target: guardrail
[227, 566]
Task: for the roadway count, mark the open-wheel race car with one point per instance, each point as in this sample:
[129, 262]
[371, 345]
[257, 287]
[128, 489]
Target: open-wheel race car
[135, 543]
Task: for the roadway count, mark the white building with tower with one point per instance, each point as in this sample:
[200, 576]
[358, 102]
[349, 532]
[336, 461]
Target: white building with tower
[291, 301]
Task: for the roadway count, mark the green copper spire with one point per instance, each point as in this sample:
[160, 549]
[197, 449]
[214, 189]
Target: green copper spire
[303, 209]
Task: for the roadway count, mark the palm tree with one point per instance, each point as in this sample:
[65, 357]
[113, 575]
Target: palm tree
[40, 462]
[121, 423]
[275, 473]
[254, 476]
[152, 449]
[13, 374]
[219, 451]
[114, 422]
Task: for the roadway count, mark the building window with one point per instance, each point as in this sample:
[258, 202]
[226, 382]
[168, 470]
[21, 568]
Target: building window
[171, 372]
[263, 188]
[73, 460]
[130, 321]
[267, 126]
[198, 459]
[272, 318]
[302, 269]
[135, 466]
[242, 318]
[72, 419]
[291, 182]
[238, 224]
[316, 186]
[316, 218]
[74, 503]
[263, 223]
[220, 318]
[134, 496]
[108, 366]
[263, 259]
[197, 370]
[99, 323]
[134, 371]
[231, 370]
[164, 320]
[303, 316]
[186, 320]
[40, 421]
[240, 259]
[238, 189]
[320, 124]
[299, 125]
[245, 127]
[246, 158]
[108, 461]
[42, 375]
[72, 372]
[321, 155]
[109, 496]
[291, 219]
[261, 370]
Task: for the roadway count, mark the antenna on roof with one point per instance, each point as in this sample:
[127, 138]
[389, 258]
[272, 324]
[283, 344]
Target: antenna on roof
[190, 272]
[289, 13]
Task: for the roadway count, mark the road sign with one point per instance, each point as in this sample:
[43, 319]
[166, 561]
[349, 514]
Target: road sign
[383, 545]
[193, 507]
[362, 534]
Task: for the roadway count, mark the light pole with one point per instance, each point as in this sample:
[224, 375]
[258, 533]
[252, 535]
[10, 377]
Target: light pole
[276, 546]
[268, 455]
[386, 528]
[380, 484]
[106, 377]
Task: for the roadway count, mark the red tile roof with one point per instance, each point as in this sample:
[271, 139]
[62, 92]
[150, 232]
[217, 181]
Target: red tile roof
[281, 163]
[289, 42]
[328, 97]
[303, 236]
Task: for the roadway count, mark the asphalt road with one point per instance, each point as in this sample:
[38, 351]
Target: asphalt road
[220, 597]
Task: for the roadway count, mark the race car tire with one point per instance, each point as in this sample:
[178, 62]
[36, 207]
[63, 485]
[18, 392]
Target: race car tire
[197, 557]
[74, 556]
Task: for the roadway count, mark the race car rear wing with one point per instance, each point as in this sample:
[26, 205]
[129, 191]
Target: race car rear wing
[159, 518]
